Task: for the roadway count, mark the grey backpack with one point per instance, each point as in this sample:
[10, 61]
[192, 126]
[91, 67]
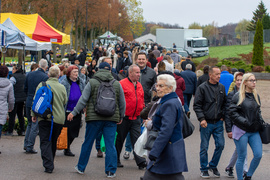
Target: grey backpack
[105, 102]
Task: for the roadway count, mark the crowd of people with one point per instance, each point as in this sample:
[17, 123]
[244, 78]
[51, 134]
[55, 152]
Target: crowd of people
[150, 85]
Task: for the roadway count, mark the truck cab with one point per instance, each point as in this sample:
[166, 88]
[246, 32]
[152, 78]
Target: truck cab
[197, 47]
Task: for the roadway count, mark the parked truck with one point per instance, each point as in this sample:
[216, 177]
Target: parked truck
[190, 40]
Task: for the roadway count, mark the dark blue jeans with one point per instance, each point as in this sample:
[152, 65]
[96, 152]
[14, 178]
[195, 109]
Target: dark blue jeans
[255, 142]
[217, 131]
[187, 99]
[92, 130]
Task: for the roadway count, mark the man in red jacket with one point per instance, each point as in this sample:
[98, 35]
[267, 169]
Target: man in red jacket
[134, 96]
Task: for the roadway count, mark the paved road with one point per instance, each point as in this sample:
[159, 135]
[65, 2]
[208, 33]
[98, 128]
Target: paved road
[16, 165]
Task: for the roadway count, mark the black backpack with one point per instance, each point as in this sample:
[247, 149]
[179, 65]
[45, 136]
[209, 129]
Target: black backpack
[105, 102]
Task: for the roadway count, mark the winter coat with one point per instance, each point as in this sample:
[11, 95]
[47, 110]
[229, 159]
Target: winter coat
[202, 79]
[89, 97]
[247, 116]
[209, 102]
[59, 101]
[188, 61]
[169, 147]
[6, 99]
[190, 81]
[19, 93]
[31, 82]
[226, 79]
[134, 97]
[180, 87]
[175, 57]
[72, 58]
[147, 79]
[228, 120]
[82, 58]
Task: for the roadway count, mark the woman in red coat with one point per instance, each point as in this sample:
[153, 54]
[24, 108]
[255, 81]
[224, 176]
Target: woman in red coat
[180, 87]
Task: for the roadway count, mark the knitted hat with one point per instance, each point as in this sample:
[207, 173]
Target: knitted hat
[104, 65]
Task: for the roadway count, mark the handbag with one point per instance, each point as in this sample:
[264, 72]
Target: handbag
[188, 127]
[265, 133]
[139, 145]
[62, 141]
[152, 136]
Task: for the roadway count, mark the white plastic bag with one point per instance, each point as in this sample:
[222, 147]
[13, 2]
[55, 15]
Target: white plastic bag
[138, 147]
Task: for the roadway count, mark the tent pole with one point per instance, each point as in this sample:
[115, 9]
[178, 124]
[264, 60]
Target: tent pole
[24, 59]
[4, 55]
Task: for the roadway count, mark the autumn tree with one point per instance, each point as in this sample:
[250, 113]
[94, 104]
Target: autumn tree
[257, 58]
[241, 27]
[257, 14]
[195, 25]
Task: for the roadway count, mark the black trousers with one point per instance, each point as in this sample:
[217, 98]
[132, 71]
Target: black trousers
[148, 175]
[18, 109]
[73, 127]
[48, 148]
[133, 127]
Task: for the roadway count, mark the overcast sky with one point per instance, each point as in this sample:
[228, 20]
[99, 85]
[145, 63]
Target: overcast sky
[186, 12]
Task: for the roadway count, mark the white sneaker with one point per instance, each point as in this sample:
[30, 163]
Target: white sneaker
[78, 171]
[126, 155]
[111, 175]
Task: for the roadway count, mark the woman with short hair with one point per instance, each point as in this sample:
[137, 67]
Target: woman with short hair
[245, 113]
[168, 156]
[74, 86]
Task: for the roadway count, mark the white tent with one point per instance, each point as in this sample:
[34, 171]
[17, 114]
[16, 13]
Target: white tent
[148, 38]
[31, 44]
[108, 35]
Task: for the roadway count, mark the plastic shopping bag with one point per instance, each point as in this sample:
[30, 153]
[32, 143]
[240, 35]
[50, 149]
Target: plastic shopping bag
[102, 143]
[138, 147]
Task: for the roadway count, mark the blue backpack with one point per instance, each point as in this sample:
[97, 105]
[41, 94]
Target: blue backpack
[42, 105]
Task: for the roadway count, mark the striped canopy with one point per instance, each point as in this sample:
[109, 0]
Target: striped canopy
[35, 27]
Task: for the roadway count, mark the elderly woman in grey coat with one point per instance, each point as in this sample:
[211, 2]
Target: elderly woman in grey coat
[7, 100]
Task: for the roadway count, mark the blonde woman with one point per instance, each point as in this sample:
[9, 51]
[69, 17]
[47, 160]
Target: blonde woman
[169, 63]
[245, 113]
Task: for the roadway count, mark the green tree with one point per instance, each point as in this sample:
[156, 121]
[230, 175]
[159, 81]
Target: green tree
[135, 14]
[266, 21]
[257, 58]
[257, 14]
[195, 26]
[241, 26]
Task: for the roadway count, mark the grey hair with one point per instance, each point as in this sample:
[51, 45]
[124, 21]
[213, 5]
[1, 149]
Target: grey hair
[169, 80]
[43, 63]
[189, 66]
[130, 69]
[54, 72]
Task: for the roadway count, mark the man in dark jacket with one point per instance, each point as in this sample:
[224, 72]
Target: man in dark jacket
[82, 57]
[209, 106]
[148, 76]
[190, 82]
[17, 79]
[97, 122]
[188, 61]
[32, 80]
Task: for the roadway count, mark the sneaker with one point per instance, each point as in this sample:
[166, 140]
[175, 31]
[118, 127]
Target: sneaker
[245, 177]
[205, 174]
[78, 171]
[126, 155]
[215, 172]
[120, 165]
[111, 175]
[142, 166]
[67, 152]
[229, 172]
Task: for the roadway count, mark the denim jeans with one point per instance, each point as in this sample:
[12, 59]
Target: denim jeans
[31, 131]
[128, 144]
[217, 131]
[187, 99]
[255, 142]
[92, 129]
[98, 139]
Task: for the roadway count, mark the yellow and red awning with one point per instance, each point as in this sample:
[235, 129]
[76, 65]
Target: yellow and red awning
[35, 27]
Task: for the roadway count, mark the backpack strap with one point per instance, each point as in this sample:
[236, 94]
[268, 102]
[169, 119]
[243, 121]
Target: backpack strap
[45, 84]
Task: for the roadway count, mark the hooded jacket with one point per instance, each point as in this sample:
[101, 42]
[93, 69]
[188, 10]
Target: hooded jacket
[6, 99]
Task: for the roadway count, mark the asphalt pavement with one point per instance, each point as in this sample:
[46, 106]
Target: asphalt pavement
[16, 165]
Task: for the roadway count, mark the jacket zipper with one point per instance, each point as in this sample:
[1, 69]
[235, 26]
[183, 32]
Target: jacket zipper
[216, 103]
[136, 103]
